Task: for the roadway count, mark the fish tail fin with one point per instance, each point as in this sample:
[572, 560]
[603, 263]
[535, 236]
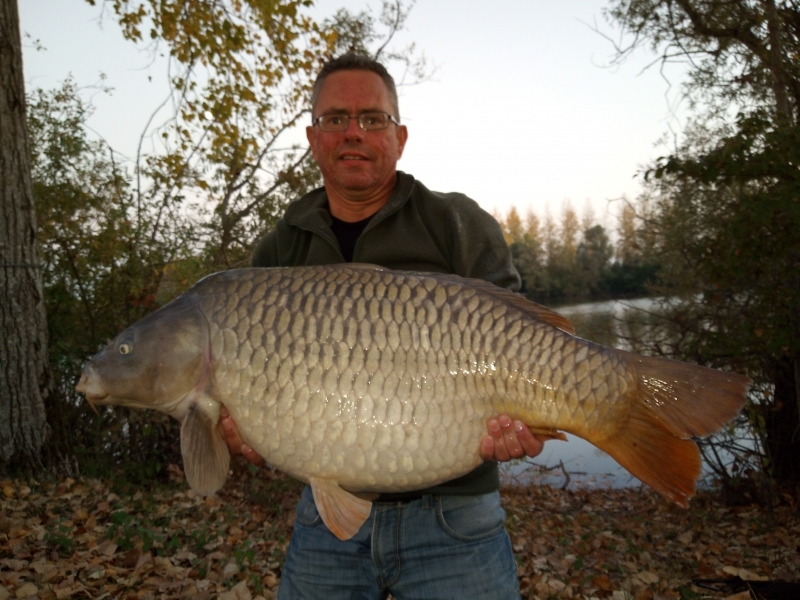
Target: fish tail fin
[673, 402]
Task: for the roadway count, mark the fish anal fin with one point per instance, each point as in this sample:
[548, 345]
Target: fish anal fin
[206, 458]
[665, 462]
[342, 512]
[545, 433]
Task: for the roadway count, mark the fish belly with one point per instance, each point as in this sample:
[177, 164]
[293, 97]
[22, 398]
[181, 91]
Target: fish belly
[383, 381]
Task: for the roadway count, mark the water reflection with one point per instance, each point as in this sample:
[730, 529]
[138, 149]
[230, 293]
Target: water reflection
[614, 322]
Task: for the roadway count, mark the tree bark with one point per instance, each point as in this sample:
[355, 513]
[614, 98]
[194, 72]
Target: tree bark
[783, 438]
[23, 324]
[783, 107]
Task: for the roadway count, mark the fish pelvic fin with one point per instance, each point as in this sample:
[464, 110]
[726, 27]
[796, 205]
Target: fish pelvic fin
[206, 458]
[546, 433]
[342, 512]
[673, 402]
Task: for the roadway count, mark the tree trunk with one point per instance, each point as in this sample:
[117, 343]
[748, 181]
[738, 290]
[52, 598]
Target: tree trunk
[783, 425]
[23, 324]
[783, 107]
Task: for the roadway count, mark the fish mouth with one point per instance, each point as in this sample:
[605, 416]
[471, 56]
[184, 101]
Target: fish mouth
[93, 397]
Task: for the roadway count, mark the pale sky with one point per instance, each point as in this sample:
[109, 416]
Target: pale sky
[521, 110]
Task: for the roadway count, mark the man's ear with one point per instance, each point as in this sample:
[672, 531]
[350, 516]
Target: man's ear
[311, 136]
[402, 138]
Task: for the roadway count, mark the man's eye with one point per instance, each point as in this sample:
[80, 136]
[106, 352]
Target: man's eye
[335, 120]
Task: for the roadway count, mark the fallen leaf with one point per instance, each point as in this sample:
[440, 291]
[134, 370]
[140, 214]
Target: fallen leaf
[648, 577]
[107, 548]
[27, 589]
[130, 559]
[143, 560]
[238, 592]
[602, 582]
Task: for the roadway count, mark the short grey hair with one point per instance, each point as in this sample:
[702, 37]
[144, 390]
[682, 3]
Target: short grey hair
[355, 62]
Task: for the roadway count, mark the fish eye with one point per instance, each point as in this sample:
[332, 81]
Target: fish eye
[125, 349]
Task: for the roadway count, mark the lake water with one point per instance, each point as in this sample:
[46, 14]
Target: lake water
[608, 323]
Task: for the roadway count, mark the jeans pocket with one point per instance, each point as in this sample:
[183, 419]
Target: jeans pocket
[470, 517]
[306, 512]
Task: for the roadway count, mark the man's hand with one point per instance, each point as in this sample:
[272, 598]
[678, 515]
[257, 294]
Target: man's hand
[230, 432]
[509, 439]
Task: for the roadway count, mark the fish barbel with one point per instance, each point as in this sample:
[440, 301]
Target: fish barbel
[358, 379]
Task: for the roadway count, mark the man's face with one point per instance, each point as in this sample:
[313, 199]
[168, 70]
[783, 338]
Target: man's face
[356, 163]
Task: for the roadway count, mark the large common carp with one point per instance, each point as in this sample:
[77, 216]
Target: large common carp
[357, 379]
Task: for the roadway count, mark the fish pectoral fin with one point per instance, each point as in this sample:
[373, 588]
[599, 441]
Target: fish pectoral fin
[206, 458]
[342, 512]
[545, 433]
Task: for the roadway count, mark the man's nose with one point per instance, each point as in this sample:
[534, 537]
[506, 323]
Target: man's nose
[354, 129]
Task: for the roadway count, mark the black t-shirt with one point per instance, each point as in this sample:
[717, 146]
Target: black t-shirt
[347, 235]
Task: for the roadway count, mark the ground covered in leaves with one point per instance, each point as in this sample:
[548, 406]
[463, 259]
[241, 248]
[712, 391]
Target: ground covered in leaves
[89, 538]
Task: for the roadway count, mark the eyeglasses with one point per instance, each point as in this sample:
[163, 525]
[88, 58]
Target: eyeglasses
[368, 121]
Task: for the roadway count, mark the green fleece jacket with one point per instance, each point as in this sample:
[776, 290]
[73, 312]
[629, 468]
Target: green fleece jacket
[416, 230]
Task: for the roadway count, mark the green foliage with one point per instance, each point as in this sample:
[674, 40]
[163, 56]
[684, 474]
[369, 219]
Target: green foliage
[726, 210]
[97, 276]
[59, 538]
[240, 74]
[118, 240]
[593, 256]
[729, 224]
[241, 77]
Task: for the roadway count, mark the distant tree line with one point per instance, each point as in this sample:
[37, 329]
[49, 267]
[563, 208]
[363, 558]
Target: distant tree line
[575, 259]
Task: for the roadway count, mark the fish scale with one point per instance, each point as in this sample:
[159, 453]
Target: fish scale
[358, 379]
[342, 393]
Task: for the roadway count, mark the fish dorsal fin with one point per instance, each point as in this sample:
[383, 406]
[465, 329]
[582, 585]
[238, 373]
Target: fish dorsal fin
[205, 454]
[342, 512]
[518, 301]
[364, 267]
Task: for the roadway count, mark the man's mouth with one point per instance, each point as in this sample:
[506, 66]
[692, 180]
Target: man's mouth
[352, 157]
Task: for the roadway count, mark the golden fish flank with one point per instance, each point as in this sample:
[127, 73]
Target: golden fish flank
[357, 378]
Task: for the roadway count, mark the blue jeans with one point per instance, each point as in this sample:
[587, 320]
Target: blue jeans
[432, 548]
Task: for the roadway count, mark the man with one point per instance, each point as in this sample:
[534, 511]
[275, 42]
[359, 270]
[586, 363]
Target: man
[443, 542]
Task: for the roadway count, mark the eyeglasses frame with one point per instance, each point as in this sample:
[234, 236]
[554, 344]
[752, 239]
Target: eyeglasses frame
[315, 122]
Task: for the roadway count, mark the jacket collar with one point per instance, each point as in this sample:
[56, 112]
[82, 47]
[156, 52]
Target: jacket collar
[311, 211]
